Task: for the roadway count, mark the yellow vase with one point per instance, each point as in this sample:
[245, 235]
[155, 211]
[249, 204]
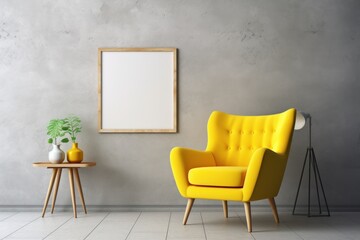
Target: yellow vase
[75, 154]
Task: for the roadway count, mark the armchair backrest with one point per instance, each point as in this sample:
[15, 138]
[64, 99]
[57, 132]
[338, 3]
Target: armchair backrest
[232, 139]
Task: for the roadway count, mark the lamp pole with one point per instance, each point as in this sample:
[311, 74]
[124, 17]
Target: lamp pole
[312, 165]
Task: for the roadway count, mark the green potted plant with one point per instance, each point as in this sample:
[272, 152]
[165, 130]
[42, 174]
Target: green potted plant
[55, 130]
[72, 126]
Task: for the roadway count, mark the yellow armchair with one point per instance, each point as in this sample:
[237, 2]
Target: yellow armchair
[244, 160]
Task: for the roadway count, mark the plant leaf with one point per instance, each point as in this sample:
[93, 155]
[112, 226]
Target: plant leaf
[73, 126]
[54, 128]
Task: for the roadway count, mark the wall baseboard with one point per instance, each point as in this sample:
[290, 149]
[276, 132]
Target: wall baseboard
[169, 208]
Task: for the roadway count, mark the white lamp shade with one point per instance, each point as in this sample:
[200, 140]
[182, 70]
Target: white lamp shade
[300, 119]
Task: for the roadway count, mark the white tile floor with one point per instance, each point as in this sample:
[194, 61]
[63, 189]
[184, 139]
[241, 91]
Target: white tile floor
[168, 225]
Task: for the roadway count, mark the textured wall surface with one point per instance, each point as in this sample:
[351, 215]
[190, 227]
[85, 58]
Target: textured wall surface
[239, 56]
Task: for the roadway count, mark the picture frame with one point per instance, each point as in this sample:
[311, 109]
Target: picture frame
[137, 90]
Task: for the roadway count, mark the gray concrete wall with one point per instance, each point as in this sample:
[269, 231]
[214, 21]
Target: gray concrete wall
[240, 56]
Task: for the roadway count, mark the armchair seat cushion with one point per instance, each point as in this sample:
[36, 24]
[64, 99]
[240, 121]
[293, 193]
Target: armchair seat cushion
[218, 176]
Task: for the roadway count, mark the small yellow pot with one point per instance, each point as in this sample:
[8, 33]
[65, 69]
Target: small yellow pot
[75, 154]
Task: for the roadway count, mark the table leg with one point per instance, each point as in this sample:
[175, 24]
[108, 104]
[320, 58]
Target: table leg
[78, 183]
[57, 181]
[71, 181]
[51, 184]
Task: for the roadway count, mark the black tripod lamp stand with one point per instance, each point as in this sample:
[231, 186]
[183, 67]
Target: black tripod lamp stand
[310, 161]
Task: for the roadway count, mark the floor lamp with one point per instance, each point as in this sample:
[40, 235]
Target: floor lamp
[310, 159]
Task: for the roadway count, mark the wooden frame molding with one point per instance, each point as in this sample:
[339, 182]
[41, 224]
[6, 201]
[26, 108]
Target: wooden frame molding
[137, 90]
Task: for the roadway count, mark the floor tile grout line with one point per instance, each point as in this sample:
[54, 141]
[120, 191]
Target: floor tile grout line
[291, 226]
[133, 225]
[167, 230]
[57, 228]
[342, 232]
[203, 224]
[338, 230]
[283, 223]
[291, 229]
[244, 223]
[97, 225]
[21, 227]
[9, 216]
[294, 231]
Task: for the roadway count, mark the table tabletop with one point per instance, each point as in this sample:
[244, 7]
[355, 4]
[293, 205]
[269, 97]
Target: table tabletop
[64, 165]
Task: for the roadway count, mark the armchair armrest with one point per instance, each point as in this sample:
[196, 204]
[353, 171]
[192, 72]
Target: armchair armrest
[264, 175]
[184, 159]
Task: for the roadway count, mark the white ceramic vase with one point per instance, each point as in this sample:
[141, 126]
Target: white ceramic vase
[56, 155]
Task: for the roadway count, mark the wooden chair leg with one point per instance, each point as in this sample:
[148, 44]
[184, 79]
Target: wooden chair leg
[225, 208]
[51, 184]
[71, 181]
[78, 183]
[274, 210]
[248, 216]
[188, 209]
[57, 181]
